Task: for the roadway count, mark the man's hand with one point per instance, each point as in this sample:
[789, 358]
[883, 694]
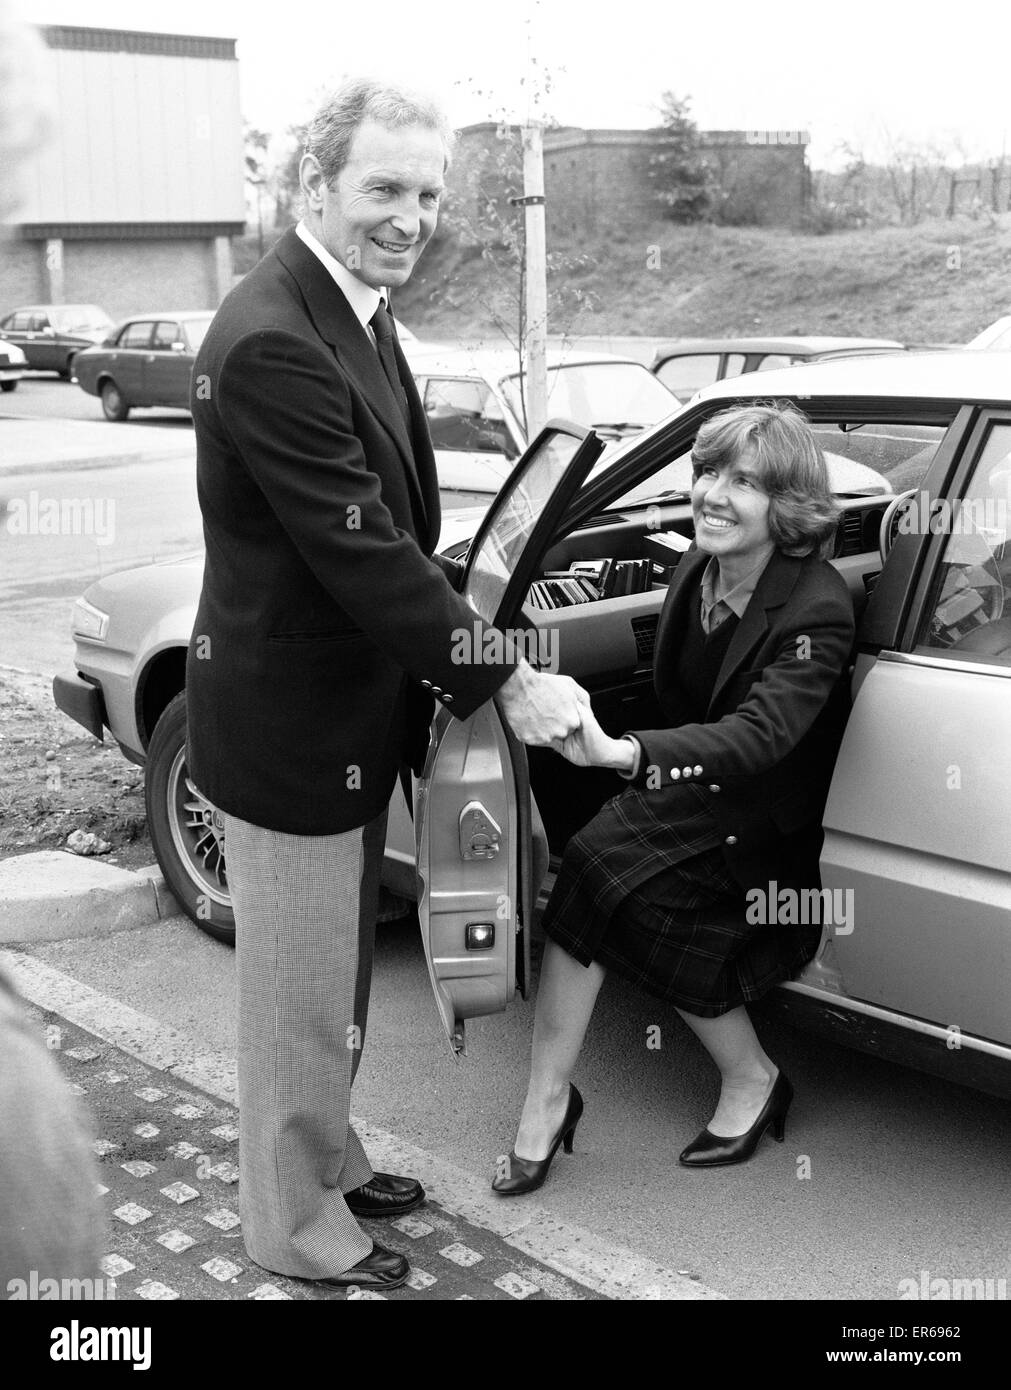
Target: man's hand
[540, 708]
[589, 746]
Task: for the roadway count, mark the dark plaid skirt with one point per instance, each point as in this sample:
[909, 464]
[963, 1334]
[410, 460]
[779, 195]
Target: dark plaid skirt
[644, 890]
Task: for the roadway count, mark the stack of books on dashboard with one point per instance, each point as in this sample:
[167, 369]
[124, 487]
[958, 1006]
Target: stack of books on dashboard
[587, 580]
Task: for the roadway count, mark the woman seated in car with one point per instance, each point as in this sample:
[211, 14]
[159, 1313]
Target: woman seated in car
[668, 884]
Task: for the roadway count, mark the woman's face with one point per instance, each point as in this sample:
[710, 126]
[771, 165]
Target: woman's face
[731, 509]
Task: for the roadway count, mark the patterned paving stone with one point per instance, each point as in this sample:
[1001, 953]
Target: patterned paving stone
[176, 1241]
[137, 1168]
[153, 1289]
[460, 1254]
[222, 1218]
[180, 1192]
[159, 1139]
[515, 1285]
[131, 1213]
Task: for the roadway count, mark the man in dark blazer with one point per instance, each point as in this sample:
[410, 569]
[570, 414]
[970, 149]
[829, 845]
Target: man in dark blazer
[326, 626]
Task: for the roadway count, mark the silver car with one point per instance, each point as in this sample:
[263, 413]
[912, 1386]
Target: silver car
[916, 851]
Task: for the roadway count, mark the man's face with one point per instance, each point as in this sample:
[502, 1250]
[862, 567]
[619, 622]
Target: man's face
[384, 204]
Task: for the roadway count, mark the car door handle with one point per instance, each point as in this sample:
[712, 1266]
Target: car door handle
[480, 835]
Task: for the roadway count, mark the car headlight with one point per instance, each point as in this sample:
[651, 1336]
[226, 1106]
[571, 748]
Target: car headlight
[89, 621]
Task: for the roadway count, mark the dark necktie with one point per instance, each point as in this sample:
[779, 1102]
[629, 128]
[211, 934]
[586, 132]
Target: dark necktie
[382, 326]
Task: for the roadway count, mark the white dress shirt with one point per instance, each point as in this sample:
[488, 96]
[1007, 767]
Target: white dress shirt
[364, 300]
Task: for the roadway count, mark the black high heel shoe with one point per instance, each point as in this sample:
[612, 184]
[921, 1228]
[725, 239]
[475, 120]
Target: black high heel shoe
[715, 1150]
[527, 1174]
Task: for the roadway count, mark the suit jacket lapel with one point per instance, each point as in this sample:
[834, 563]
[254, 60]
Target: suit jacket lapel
[338, 325]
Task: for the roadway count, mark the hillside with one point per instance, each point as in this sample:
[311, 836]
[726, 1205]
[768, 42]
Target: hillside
[892, 282]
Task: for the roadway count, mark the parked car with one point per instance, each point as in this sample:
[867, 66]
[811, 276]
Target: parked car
[12, 366]
[996, 338]
[51, 335]
[917, 818]
[474, 403]
[688, 364]
[146, 361]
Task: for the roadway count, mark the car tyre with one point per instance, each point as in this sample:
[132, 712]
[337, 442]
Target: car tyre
[187, 832]
[8, 386]
[114, 404]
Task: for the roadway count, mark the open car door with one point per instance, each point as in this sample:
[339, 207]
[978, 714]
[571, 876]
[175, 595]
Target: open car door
[481, 850]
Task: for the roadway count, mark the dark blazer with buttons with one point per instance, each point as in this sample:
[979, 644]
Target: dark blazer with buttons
[765, 752]
[324, 622]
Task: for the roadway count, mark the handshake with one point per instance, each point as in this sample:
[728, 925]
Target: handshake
[554, 711]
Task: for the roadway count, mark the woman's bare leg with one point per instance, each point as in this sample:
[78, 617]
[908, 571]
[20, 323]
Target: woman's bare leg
[566, 995]
[746, 1071]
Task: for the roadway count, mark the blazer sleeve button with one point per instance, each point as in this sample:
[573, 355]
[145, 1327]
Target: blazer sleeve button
[427, 685]
[675, 774]
[714, 787]
[686, 772]
[447, 699]
[697, 769]
[730, 840]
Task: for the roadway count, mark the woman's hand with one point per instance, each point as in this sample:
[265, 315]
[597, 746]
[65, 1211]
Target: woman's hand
[589, 746]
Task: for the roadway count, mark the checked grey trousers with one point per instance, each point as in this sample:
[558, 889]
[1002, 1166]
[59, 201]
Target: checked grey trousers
[305, 913]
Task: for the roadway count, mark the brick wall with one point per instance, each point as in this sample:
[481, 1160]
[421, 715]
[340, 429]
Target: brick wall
[21, 280]
[127, 277]
[598, 179]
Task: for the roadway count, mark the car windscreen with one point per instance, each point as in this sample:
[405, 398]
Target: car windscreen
[604, 395]
[80, 318]
[196, 330]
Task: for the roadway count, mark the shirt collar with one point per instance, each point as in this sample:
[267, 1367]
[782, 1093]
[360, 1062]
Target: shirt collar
[364, 300]
[736, 599]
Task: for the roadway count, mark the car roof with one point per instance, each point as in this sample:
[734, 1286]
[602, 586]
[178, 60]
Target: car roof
[958, 376]
[45, 308]
[495, 363]
[169, 314]
[678, 346]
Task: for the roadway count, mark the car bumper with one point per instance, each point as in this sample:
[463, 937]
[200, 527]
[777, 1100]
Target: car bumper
[82, 701]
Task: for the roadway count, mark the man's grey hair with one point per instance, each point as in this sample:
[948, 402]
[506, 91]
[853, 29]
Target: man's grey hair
[332, 129]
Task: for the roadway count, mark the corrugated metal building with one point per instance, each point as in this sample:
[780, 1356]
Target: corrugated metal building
[134, 200]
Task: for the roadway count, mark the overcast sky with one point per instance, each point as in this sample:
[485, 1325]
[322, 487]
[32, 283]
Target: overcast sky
[861, 71]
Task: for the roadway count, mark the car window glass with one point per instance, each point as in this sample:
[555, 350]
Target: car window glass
[18, 323]
[734, 364]
[135, 335]
[969, 614]
[463, 415]
[195, 330]
[899, 453]
[165, 334]
[38, 322]
[519, 507]
[772, 361]
[865, 460]
[684, 375]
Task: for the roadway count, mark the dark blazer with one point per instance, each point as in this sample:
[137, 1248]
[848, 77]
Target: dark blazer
[765, 752]
[323, 620]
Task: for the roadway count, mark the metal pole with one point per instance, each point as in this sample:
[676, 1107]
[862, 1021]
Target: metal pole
[536, 280]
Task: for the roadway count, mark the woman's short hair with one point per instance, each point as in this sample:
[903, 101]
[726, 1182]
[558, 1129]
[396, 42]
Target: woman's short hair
[332, 129]
[803, 514]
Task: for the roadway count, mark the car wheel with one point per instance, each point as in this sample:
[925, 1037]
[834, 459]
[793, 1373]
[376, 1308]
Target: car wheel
[187, 832]
[68, 370]
[8, 386]
[113, 403]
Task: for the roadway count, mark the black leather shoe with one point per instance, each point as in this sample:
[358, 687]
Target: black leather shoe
[382, 1269]
[385, 1194]
[716, 1151]
[527, 1174]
